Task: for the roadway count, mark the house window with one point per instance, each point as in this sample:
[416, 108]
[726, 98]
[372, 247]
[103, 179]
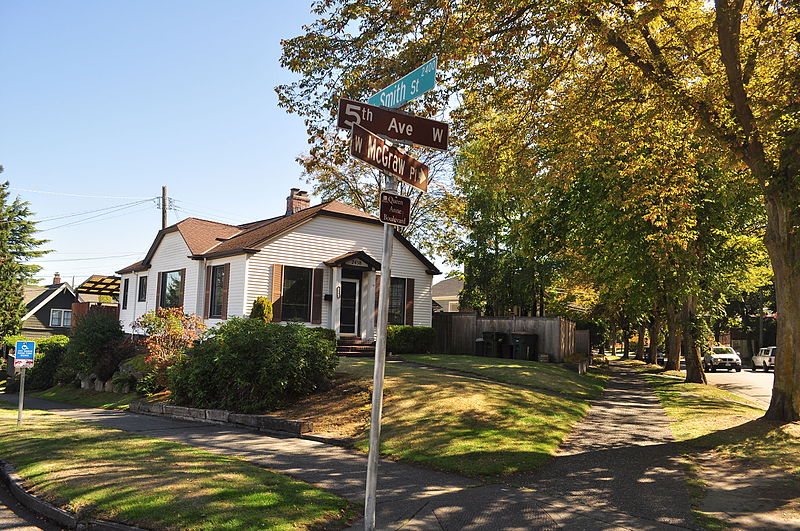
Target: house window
[397, 301]
[296, 298]
[452, 306]
[217, 291]
[60, 318]
[125, 293]
[171, 295]
[142, 297]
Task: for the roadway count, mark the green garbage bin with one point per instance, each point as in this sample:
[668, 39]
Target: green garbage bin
[525, 346]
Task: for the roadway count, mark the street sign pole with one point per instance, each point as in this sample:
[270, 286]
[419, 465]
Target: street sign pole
[380, 363]
[21, 395]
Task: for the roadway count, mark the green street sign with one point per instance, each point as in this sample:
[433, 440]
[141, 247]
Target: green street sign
[407, 88]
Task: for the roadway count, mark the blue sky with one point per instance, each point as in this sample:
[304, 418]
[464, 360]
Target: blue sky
[116, 99]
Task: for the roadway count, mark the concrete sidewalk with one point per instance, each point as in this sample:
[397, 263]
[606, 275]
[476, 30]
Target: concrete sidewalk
[645, 491]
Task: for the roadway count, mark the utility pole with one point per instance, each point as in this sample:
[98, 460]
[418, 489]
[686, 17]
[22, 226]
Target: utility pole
[163, 207]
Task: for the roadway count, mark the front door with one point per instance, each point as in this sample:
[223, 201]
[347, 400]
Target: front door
[348, 319]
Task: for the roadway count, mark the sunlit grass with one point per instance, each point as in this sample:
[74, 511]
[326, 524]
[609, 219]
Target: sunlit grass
[105, 473]
[548, 376]
[472, 427]
[86, 397]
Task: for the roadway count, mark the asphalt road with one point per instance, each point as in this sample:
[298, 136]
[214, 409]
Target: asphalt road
[754, 385]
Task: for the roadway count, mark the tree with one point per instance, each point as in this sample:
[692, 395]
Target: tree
[729, 70]
[17, 245]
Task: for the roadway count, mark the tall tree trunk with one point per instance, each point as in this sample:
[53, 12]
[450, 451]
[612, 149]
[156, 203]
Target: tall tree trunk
[655, 332]
[614, 342]
[541, 300]
[626, 337]
[640, 343]
[673, 338]
[783, 243]
[691, 343]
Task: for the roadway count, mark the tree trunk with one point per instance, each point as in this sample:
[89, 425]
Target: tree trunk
[541, 300]
[783, 242]
[655, 331]
[673, 339]
[640, 344]
[626, 336]
[614, 342]
[691, 347]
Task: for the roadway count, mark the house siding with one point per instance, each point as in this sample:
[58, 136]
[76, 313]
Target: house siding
[38, 325]
[324, 238]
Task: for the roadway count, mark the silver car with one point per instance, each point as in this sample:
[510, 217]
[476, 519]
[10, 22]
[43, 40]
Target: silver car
[722, 358]
[765, 359]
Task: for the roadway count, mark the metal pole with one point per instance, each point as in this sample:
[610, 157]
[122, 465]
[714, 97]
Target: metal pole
[21, 395]
[163, 207]
[380, 363]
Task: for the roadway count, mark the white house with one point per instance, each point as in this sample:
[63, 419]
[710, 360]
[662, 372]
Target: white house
[318, 265]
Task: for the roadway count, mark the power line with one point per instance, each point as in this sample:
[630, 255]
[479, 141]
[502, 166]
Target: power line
[75, 214]
[85, 259]
[99, 215]
[78, 195]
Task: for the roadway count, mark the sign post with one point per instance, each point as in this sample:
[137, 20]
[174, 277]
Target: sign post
[380, 363]
[24, 353]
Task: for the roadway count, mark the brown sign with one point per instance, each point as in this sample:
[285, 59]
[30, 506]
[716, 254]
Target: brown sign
[373, 150]
[395, 209]
[396, 125]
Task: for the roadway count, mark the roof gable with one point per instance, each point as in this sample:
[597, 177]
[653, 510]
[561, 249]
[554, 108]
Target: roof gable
[49, 293]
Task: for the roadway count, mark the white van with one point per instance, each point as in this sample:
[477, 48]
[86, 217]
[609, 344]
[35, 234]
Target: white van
[765, 359]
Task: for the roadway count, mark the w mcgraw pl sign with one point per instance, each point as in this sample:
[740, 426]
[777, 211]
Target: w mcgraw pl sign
[373, 150]
[394, 124]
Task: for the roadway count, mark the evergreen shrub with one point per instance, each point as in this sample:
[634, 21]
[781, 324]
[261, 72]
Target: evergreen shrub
[405, 339]
[251, 366]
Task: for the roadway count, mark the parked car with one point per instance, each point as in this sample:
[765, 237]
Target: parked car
[765, 359]
[722, 358]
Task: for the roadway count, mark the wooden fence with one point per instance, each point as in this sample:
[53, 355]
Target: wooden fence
[456, 332]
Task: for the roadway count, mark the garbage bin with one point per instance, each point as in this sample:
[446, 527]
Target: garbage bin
[489, 344]
[480, 347]
[525, 346]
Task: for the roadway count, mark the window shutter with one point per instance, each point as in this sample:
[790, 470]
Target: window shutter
[277, 291]
[316, 296]
[207, 296]
[158, 289]
[225, 284]
[409, 320]
[377, 296]
[183, 284]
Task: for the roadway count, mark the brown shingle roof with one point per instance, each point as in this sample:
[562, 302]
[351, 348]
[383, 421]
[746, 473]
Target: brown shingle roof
[209, 239]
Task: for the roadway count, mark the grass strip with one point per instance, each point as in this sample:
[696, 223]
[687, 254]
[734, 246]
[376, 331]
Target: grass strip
[103, 473]
[476, 428]
[549, 376]
[86, 397]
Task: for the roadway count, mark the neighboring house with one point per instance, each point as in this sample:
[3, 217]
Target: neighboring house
[446, 294]
[48, 309]
[318, 265]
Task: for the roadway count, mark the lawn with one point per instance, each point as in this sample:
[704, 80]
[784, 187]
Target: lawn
[104, 473]
[547, 376]
[472, 427]
[705, 417]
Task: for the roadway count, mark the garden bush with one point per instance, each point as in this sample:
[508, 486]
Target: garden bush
[97, 346]
[262, 309]
[404, 339]
[251, 366]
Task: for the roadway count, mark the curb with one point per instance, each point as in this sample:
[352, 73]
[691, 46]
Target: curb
[56, 515]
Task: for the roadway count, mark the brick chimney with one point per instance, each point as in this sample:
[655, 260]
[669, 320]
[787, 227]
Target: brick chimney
[57, 278]
[297, 201]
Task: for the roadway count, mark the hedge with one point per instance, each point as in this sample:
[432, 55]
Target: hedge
[404, 339]
[49, 353]
[251, 366]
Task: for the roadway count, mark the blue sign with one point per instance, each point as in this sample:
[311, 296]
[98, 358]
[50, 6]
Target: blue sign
[407, 88]
[25, 350]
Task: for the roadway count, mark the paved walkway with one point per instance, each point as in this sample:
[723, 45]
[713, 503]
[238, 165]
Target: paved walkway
[14, 516]
[617, 471]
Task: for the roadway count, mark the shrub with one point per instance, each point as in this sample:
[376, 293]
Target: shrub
[262, 309]
[96, 347]
[404, 339]
[169, 333]
[250, 366]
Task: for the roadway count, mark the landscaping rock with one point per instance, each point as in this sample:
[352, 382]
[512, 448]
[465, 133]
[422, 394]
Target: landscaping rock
[218, 415]
[176, 411]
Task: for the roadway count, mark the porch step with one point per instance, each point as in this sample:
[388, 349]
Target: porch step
[355, 347]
